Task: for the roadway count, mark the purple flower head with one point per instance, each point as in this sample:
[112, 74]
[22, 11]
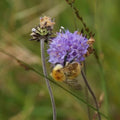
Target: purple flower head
[73, 45]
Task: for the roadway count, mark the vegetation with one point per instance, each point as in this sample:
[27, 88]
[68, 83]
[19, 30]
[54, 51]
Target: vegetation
[23, 92]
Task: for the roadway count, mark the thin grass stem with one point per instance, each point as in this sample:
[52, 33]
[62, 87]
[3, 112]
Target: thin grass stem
[87, 95]
[92, 93]
[98, 51]
[28, 67]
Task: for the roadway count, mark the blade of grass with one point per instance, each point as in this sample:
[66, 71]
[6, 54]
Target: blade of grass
[103, 82]
[28, 67]
[99, 48]
[30, 11]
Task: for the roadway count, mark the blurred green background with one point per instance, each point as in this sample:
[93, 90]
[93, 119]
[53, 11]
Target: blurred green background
[23, 94]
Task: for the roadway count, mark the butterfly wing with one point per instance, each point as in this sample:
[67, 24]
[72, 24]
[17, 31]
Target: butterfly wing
[73, 83]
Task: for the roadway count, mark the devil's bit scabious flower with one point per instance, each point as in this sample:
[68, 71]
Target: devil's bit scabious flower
[75, 44]
[43, 30]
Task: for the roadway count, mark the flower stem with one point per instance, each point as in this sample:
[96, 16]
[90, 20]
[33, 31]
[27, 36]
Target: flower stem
[47, 81]
[87, 95]
[92, 93]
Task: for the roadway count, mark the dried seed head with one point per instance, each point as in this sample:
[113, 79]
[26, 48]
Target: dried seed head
[43, 30]
[90, 48]
[101, 99]
[46, 22]
[91, 41]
